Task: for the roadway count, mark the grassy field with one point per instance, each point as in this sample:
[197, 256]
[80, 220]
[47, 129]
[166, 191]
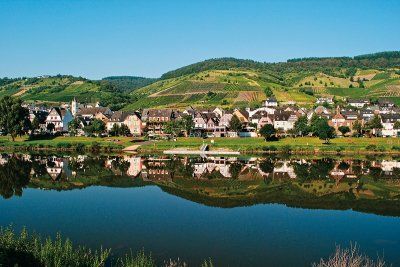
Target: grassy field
[62, 141]
[300, 144]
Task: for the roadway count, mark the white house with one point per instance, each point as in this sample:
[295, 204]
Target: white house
[60, 118]
[388, 121]
[271, 102]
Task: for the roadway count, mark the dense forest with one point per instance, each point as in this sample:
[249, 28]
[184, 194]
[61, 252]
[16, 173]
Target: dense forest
[327, 65]
[128, 83]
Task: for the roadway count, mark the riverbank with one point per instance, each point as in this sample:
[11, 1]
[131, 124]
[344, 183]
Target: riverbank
[66, 143]
[299, 145]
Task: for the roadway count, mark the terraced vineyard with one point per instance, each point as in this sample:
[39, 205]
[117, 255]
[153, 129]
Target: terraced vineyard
[227, 82]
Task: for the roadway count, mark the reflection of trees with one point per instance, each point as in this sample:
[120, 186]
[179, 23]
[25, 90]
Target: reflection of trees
[39, 168]
[343, 166]
[266, 166]
[317, 170]
[235, 169]
[375, 172]
[120, 164]
[14, 176]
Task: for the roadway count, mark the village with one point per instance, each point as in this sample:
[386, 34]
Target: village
[355, 117]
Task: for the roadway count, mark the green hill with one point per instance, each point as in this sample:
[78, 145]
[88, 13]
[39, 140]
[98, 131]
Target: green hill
[128, 83]
[63, 88]
[226, 82]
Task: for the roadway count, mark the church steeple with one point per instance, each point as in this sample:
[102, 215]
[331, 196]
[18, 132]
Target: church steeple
[74, 107]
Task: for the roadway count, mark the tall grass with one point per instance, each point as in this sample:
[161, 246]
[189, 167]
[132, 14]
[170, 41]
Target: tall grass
[26, 249]
[350, 257]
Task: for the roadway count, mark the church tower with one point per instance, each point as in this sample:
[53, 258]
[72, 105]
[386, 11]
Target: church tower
[74, 107]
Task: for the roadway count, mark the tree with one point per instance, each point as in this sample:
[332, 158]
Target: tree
[50, 127]
[268, 92]
[323, 130]
[98, 126]
[73, 127]
[124, 130]
[344, 130]
[396, 125]
[14, 117]
[114, 130]
[173, 128]
[375, 124]
[35, 124]
[301, 126]
[357, 127]
[267, 131]
[188, 123]
[235, 124]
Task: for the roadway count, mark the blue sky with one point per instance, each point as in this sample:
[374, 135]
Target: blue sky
[95, 39]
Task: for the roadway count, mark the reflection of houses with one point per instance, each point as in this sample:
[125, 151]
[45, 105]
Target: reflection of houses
[344, 169]
[156, 169]
[56, 167]
[283, 170]
[135, 165]
[213, 164]
[391, 168]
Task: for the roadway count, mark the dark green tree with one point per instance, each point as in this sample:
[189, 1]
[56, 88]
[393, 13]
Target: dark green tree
[14, 118]
[235, 124]
[344, 130]
[114, 130]
[35, 124]
[375, 124]
[73, 127]
[124, 130]
[357, 127]
[267, 131]
[301, 126]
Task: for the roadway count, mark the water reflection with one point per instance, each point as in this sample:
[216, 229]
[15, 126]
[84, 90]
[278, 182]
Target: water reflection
[367, 185]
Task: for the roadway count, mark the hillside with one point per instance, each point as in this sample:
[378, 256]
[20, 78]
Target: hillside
[128, 83]
[63, 88]
[232, 82]
[226, 82]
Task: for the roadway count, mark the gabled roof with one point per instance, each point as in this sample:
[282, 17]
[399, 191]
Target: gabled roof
[282, 115]
[390, 118]
[120, 116]
[93, 111]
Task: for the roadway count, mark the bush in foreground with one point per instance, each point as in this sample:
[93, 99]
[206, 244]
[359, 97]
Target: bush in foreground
[350, 257]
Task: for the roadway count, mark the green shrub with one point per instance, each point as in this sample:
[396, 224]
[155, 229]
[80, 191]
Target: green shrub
[270, 148]
[395, 147]
[79, 147]
[371, 148]
[286, 149]
[63, 145]
[95, 146]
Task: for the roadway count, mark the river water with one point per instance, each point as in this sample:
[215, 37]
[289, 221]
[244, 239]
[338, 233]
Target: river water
[249, 211]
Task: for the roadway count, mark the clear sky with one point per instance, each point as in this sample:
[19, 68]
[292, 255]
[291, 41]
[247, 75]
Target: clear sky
[95, 39]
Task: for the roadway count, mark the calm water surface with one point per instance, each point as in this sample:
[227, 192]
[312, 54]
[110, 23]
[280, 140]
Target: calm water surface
[239, 212]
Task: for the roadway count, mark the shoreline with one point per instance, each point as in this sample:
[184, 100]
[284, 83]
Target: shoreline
[292, 146]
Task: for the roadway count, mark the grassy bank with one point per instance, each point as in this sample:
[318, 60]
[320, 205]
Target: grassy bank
[302, 145]
[78, 143]
[26, 249]
[299, 145]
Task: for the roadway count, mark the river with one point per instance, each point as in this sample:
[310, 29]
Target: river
[248, 211]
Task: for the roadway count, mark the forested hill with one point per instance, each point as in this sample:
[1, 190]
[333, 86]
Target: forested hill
[129, 83]
[377, 60]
